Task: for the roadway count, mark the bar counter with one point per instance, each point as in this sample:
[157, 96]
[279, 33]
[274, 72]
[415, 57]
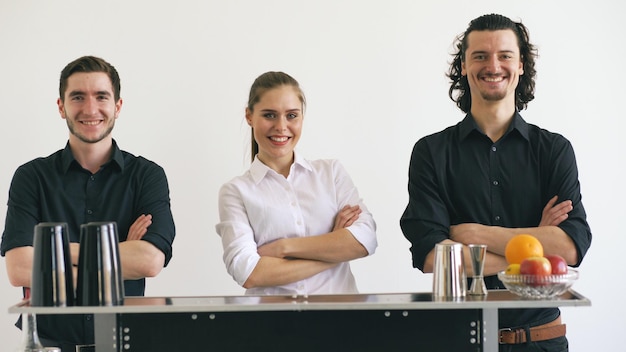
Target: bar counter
[360, 322]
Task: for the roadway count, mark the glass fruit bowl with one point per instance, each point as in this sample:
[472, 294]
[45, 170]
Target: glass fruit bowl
[538, 286]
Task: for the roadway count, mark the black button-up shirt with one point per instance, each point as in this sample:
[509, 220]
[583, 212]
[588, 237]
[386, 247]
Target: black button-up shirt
[460, 176]
[57, 189]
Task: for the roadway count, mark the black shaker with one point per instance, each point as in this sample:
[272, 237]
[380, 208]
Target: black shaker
[100, 280]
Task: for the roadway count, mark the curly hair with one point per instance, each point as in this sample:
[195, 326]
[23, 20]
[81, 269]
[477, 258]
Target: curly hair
[525, 90]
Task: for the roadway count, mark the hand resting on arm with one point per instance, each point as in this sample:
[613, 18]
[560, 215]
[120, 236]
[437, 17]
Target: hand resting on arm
[553, 239]
[291, 259]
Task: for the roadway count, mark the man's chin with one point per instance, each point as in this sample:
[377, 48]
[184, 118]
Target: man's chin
[495, 96]
[90, 140]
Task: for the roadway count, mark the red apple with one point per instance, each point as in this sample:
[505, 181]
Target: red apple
[559, 265]
[535, 266]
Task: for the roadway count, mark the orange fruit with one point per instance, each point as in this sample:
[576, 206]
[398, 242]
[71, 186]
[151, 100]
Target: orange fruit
[521, 247]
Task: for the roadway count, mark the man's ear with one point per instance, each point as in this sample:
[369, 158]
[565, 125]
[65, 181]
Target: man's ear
[61, 108]
[118, 107]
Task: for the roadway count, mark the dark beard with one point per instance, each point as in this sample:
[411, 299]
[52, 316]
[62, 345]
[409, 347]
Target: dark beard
[493, 96]
[70, 126]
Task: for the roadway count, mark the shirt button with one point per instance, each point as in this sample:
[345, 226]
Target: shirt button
[497, 218]
[495, 183]
[92, 178]
[89, 211]
[493, 149]
[88, 317]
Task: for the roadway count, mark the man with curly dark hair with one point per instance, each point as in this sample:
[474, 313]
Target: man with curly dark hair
[493, 175]
[525, 89]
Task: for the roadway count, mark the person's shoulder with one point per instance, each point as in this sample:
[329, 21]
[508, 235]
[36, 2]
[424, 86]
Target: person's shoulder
[248, 176]
[536, 132]
[439, 140]
[243, 178]
[237, 183]
[322, 164]
[41, 161]
[138, 160]
[330, 168]
[443, 134]
[548, 143]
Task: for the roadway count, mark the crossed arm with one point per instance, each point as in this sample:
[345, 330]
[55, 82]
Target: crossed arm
[292, 259]
[553, 238]
[139, 259]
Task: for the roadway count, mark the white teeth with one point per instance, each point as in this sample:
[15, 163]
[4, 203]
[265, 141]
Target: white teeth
[493, 79]
[278, 139]
[90, 123]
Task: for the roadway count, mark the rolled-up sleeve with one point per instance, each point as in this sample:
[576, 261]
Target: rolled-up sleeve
[155, 200]
[240, 248]
[565, 184]
[364, 229]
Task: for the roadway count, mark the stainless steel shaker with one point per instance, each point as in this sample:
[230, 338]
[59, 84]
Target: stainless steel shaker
[449, 278]
[100, 280]
[52, 283]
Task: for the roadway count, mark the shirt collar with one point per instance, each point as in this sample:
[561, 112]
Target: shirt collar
[67, 157]
[467, 125]
[258, 170]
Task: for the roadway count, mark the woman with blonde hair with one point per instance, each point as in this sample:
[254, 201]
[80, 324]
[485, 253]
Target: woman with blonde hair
[289, 225]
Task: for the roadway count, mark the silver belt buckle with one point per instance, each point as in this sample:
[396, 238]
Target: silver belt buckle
[85, 348]
[500, 331]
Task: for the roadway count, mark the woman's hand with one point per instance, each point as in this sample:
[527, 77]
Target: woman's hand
[272, 249]
[347, 216]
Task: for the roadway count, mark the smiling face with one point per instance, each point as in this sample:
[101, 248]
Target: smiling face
[492, 65]
[89, 107]
[276, 121]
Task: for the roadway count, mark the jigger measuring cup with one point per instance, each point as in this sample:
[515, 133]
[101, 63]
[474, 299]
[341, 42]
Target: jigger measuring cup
[449, 280]
[477, 254]
[52, 283]
[99, 271]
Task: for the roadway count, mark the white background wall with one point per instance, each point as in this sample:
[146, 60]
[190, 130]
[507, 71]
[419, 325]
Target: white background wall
[373, 73]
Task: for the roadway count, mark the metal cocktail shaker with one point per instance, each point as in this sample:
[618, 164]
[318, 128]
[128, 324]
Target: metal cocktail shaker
[52, 283]
[449, 279]
[100, 280]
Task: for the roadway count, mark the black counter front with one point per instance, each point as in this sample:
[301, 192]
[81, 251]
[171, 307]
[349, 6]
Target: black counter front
[362, 322]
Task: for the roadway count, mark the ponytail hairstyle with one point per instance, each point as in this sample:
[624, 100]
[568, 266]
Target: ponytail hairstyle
[263, 83]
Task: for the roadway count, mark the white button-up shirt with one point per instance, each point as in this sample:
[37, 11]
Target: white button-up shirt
[262, 206]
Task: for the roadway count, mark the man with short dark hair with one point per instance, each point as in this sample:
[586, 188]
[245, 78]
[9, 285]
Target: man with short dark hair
[91, 179]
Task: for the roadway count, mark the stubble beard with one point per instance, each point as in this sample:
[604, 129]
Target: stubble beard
[71, 126]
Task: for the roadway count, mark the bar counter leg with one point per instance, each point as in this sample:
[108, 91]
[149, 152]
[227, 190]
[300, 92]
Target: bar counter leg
[106, 333]
[490, 330]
